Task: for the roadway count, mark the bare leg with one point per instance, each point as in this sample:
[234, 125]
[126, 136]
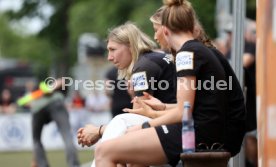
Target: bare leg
[251, 150]
[33, 163]
[118, 126]
[140, 147]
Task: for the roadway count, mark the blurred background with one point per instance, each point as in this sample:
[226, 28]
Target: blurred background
[43, 34]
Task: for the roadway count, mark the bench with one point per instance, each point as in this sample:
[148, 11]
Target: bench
[205, 159]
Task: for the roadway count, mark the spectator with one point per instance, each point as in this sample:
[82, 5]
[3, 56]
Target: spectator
[145, 65]
[77, 113]
[249, 66]
[7, 103]
[96, 102]
[77, 102]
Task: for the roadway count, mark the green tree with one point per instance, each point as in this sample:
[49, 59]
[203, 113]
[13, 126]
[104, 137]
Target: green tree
[56, 32]
[251, 9]
[25, 48]
[58, 40]
[99, 16]
[206, 13]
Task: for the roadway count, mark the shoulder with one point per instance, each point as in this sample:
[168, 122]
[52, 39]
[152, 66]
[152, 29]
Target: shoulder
[155, 59]
[159, 58]
[152, 56]
[193, 46]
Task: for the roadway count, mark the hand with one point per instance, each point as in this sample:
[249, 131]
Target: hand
[79, 136]
[88, 135]
[130, 89]
[153, 102]
[143, 109]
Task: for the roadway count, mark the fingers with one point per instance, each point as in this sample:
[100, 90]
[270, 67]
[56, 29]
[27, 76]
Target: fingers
[130, 89]
[130, 85]
[147, 95]
[148, 102]
[80, 130]
[134, 111]
[141, 103]
[82, 139]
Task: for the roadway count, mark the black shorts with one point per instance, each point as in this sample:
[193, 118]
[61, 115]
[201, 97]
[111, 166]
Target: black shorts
[170, 138]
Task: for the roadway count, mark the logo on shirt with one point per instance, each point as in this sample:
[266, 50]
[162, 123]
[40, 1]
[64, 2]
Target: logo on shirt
[167, 58]
[139, 81]
[184, 61]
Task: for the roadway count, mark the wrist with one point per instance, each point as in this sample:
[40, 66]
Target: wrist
[146, 125]
[163, 107]
[100, 131]
[153, 114]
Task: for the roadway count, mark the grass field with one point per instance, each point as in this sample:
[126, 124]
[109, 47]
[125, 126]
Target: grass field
[55, 158]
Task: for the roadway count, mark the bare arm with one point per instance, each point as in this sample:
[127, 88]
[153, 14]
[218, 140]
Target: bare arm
[184, 93]
[248, 59]
[156, 104]
[171, 115]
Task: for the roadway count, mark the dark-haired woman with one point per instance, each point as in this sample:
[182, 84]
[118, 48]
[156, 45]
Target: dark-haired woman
[160, 140]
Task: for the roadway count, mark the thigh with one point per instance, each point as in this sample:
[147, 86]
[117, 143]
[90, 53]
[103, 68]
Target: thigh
[139, 147]
[132, 119]
[119, 124]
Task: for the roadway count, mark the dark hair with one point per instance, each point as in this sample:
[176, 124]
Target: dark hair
[200, 34]
[178, 15]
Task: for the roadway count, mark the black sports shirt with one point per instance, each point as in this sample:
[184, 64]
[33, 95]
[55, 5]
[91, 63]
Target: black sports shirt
[155, 73]
[195, 59]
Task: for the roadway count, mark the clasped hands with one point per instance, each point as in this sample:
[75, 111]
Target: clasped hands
[147, 107]
[89, 134]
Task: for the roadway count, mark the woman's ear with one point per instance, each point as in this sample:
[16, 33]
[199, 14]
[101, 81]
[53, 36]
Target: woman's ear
[165, 31]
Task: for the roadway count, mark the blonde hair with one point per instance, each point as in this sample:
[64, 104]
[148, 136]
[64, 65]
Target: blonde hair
[129, 34]
[198, 33]
[157, 16]
[179, 16]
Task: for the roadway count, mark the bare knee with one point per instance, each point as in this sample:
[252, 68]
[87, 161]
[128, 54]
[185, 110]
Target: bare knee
[101, 151]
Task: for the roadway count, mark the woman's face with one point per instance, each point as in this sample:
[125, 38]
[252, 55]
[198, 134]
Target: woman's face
[159, 37]
[167, 36]
[119, 54]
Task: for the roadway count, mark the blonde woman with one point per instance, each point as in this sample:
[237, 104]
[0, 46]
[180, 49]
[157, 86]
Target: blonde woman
[133, 53]
[159, 141]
